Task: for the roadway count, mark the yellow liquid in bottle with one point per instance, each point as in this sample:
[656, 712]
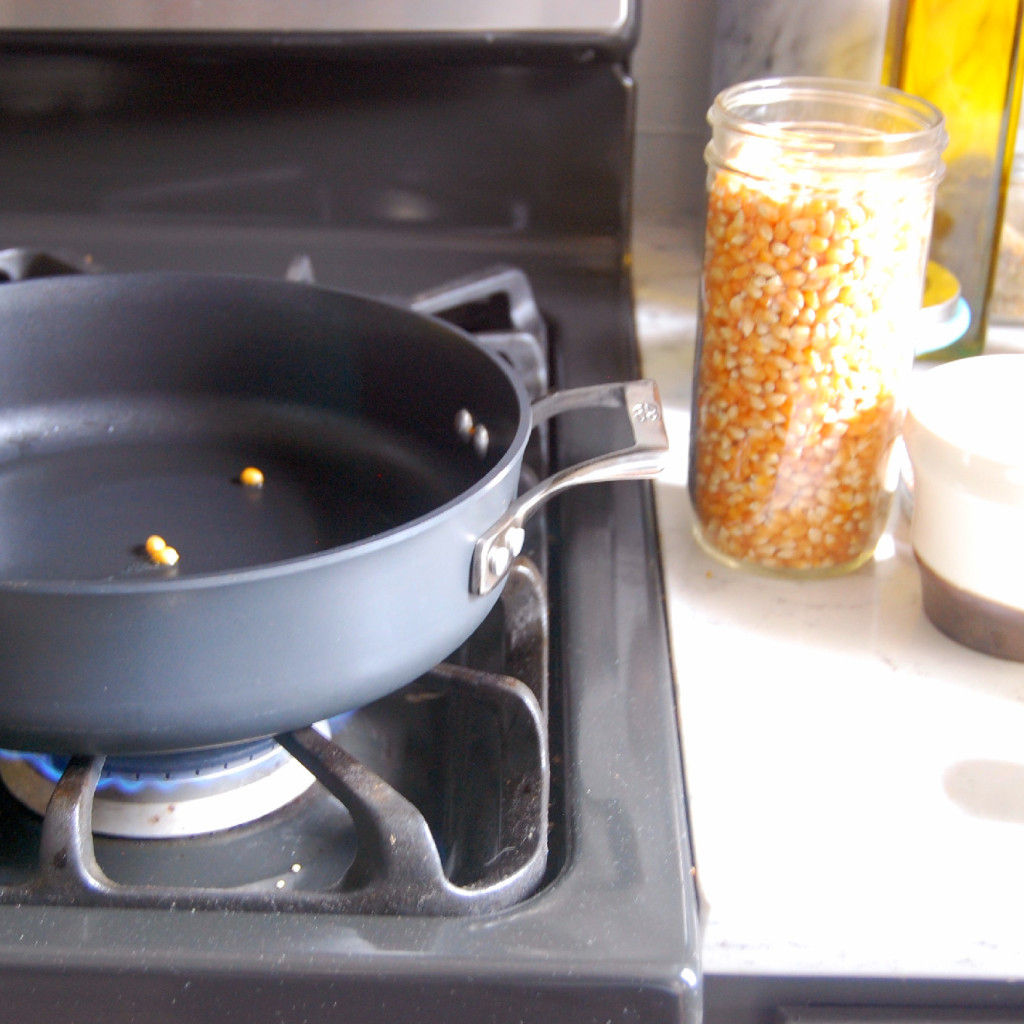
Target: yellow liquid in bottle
[963, 56]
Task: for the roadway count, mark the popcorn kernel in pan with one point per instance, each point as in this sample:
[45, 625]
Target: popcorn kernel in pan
[250, 477]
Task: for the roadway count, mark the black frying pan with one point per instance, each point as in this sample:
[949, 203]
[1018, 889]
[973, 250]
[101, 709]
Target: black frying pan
[390, 446]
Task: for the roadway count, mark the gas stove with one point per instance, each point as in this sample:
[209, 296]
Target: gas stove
[506, 837]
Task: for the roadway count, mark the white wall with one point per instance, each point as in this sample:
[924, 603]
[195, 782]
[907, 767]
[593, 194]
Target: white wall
[672, 66]
[689, 49]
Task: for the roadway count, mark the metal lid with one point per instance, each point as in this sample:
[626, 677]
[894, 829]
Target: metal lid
[945, 315]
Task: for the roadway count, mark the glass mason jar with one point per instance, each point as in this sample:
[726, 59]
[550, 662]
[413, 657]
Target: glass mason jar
[820, 201]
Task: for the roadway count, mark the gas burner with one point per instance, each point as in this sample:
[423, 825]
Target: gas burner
[190, 793]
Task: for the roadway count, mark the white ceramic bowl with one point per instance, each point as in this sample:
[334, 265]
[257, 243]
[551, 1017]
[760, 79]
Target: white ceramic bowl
[965, 436]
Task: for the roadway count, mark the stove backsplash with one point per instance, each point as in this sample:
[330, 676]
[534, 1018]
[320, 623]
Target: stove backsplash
[310, 141]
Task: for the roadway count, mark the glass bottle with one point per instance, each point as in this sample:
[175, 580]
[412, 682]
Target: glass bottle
[820, 200]
[965, 58]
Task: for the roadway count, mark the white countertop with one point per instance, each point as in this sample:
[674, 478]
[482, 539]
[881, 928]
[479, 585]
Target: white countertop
[856, 779]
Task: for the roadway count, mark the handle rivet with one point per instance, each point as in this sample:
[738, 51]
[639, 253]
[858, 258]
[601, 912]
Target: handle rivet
[499, 560]
[472, 432]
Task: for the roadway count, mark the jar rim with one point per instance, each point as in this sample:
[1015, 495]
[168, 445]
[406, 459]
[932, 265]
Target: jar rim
[855, 121]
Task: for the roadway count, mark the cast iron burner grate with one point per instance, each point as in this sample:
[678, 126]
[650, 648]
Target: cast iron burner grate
[445, 785]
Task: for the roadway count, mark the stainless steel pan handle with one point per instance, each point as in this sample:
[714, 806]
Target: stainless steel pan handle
[645, 457]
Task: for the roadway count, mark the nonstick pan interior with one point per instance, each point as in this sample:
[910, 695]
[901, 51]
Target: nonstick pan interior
[130, 404]
[82, 505]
